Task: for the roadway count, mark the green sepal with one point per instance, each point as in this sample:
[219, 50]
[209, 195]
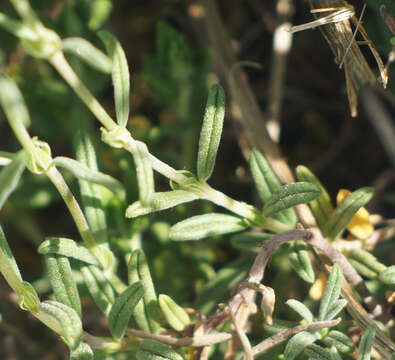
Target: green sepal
[175, 315]
[123, 308]
[202, 226]
[267, 182]
[290, 195]
[62, 281]
[27, 297]
[10, 176]
[88, 53]
[342, 215]
[68, 248]
[146, 311]
[120, 76]
[211, 132]
[160, 201]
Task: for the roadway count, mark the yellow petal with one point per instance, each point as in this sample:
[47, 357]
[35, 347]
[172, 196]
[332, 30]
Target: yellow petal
[359, 226]
[317, 289]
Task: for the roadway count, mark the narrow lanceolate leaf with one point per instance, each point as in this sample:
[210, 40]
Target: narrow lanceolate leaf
[367, 259]
[210, 134]
[202, 226]
[334, 354]
[388, 276]
[331, 293]
[301, 309]
[342, 215]
[322, 206]
[88, 53]
[146, 311]
[12, 102]
[160, 349]
[10, 175]
[83, 352]
[175, 315]
[267, 182]
[316, 352]
[68, 248]
[340, 341]
[17, 28]
[82, 172]
[123, 308]
[290, 195]
[61, 317]
[62, 281]
[99, 288]
[335, 309]
[144, 172]
[160, 201]
[8, 266]
[298, 343]
[365, 345]
[91, 193]
[250, 241]
[120, 76]
[301, 263]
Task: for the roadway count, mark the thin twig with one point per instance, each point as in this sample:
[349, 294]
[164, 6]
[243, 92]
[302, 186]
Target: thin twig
[197, 341]
[283, 335]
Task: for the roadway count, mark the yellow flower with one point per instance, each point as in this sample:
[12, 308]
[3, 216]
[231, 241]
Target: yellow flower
[359, 226]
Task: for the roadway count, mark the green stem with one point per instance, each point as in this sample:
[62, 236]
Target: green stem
[59, 62]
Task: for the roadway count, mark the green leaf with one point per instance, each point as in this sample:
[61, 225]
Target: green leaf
[334, 354]
[120, 76]
[62, 281]
[202, 226]
[301, 309]
[146, 355]
[250, 241]
[267, 182]
[366, 343]
[68, 248]
[316, 352]
[160, 201]
[301, 263]
[160, 349]
[99, 288]
[335, 308]
[28, 299]
[8, 265]
[17, 28]
[322, 206]
[65, 317]
[83, 352]
[297, 344]
[10, 175]
[123, 308]
[211, 132]
[331, 293]
[175, 315]
[340, 341]
[146, 311]
[88, 53]
[82, 172]
[91, 193]
[290, 195]
[145, 174]
[12, 102]
[367, 259]
[388, 276]
[342, 215]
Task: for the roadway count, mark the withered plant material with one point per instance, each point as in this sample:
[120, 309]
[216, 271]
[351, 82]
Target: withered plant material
[339, 36]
